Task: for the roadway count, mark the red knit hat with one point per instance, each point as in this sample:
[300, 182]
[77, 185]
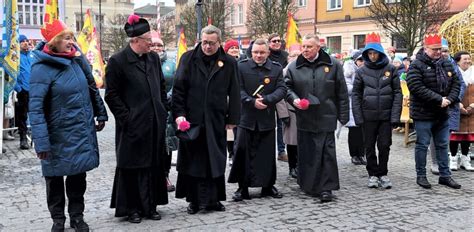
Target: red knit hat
[230, 43]
[51, 30]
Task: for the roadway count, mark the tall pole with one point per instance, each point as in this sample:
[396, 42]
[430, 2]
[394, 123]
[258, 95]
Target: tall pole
[82, 18]
[199, 18]
[158, 18]
[100, 22]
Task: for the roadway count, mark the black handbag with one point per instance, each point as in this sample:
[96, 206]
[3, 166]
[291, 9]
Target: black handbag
[189, 135]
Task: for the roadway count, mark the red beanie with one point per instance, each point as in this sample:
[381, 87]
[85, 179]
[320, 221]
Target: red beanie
[230, 43]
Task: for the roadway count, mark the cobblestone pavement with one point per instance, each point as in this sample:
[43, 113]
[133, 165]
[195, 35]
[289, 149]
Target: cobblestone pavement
[404, 207]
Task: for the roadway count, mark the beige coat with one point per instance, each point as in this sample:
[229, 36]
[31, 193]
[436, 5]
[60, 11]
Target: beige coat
[285, 110]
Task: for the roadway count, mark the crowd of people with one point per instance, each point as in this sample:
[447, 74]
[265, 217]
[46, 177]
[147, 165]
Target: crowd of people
[220, 104]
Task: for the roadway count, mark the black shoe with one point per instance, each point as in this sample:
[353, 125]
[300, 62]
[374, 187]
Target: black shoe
[58, 226]
[218, 207]
[24, 144]
[325, 196]
[294, 172]
[192, 208]
[79, 225]
[448, 181]
[134, 218]
[272, 192]
[154, 215]
[423, 182]
[355, 160]
[241, 194]
[362, 160]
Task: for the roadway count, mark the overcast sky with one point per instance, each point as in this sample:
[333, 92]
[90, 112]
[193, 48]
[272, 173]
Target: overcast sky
[140, 3]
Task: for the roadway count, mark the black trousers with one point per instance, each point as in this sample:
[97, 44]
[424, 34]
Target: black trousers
[21, 112]
[453, 147]
[75, 189]
[356, 141]
[292, 151]
[380, 133]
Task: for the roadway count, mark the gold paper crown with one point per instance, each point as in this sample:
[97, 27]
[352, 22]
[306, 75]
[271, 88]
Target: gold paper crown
[372, 38]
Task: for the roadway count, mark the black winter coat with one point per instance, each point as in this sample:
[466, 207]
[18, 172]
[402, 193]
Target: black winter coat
[425, 96]
[137, 98]
[251, 76]
[376, 94]
[325, 80]
[210, 99]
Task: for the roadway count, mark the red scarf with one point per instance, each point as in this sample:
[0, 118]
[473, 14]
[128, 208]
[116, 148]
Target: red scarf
[67, 55]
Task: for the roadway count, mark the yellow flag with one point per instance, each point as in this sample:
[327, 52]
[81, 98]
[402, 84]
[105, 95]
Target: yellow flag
[50, 12]
[95, 59]
[85, 37]
[10, 47]
[293, 37]
[182, 47]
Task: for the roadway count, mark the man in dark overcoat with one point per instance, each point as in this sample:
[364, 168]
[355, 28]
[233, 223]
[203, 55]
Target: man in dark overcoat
[136, 96]
[318, 80]
[254, 162]
[205, 94]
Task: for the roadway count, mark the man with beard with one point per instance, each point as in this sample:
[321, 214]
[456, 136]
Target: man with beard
[316, 87]
[206, 97]
[254, 163]
[136, 96]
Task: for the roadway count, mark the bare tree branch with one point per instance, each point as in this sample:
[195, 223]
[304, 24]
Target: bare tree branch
[408, 20]
[268, 16]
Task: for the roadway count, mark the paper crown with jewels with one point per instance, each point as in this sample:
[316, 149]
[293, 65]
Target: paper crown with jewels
[432, 41]
[372, 41]
[51, 30]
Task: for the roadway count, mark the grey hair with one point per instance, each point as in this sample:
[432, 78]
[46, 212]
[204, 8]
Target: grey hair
[311, 36]
[261, 41]
[210, 29]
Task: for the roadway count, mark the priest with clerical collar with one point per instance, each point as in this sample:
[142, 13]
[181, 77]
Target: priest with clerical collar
[136, 95]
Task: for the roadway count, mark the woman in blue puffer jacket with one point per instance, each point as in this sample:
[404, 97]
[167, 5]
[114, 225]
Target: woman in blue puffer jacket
[63, 103]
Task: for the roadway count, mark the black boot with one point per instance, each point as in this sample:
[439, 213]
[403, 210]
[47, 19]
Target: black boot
[79, 225]
[448, 181]
[423, 182]
[58, 225]
[24, 142]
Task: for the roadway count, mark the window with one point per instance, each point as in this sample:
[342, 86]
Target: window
[358, 3]
[30, 12]
[78, 21]
[334, 4]
[399, 43]
[359, 41]
[334, 44]
[233, 15]
[240, 14]
[301, 3]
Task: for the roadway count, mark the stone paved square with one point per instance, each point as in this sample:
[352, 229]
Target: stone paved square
[404, 207]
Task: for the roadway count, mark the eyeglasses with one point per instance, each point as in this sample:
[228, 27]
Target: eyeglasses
[157, 45]
[275, 41]
[209, 43]
[143, 38]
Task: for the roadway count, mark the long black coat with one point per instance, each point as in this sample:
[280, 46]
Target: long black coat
[137, 98]
[323, 79]
[251, 76]
[211, 100]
